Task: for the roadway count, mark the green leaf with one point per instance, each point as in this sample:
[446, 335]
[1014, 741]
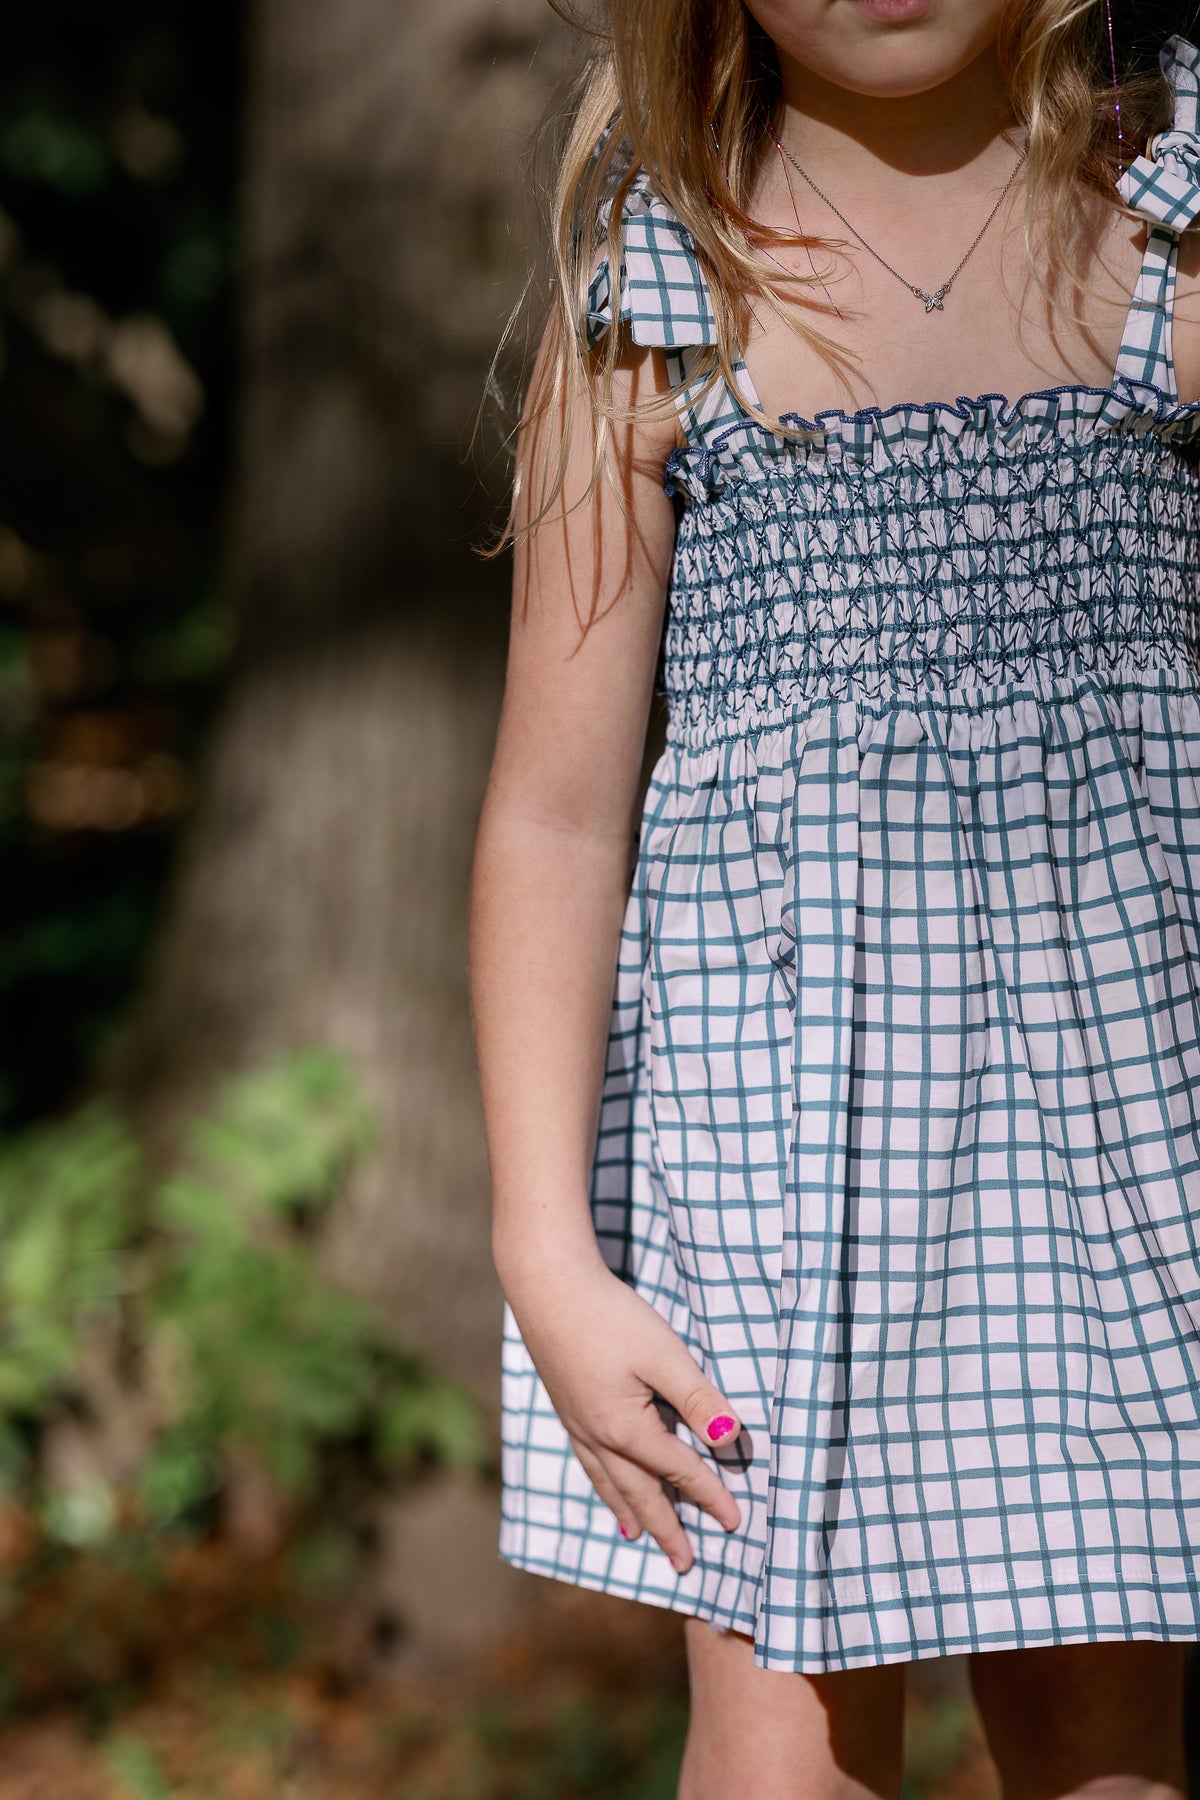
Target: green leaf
[83, 1516]
[33, 1260]
[177, 1478]
[282, 1138]
[437, 1418]
[56, 151]
[135, 1768]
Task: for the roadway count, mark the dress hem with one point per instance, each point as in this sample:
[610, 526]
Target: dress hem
[825, 1662]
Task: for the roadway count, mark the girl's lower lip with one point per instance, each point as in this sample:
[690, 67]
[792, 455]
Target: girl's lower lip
[893, 12]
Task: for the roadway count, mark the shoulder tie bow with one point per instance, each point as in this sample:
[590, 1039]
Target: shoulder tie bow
[661, 289]
[1163, 186]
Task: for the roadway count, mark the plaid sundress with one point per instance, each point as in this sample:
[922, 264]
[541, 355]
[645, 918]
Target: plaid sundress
[900, 1124]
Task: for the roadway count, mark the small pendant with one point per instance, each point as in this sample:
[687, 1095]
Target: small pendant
[931, 300]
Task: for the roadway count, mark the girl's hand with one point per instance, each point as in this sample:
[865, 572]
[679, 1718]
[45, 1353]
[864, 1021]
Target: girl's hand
[603, 1352]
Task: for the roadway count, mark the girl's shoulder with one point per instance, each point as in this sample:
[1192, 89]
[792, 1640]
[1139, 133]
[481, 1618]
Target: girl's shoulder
[1185, 334]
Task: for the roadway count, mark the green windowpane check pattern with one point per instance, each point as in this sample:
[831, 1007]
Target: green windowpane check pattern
[900, 1125]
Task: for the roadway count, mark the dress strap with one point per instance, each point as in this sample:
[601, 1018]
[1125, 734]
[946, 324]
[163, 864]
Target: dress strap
[1163, 187]
[662, 293]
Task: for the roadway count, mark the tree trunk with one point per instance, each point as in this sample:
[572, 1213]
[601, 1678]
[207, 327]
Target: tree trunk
[322, 893]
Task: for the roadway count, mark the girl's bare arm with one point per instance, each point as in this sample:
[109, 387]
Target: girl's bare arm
[553, 859]
[558, 827]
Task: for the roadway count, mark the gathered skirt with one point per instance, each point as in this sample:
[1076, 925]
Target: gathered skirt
[900, 1131]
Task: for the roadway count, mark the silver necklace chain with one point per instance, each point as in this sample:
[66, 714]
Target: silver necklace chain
[936, 298]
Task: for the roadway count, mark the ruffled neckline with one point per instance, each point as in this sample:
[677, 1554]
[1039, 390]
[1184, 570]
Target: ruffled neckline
[988, 426]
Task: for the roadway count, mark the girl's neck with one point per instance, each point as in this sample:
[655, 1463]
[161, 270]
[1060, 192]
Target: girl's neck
[933, 133]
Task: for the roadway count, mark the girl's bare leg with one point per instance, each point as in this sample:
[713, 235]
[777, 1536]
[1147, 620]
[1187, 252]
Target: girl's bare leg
[1103, 1721]
[784, 1736]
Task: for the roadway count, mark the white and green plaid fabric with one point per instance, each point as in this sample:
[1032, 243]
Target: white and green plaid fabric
[1161, 187]
[900, 1126]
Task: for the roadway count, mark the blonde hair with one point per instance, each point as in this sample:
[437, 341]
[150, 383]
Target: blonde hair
[683, 90]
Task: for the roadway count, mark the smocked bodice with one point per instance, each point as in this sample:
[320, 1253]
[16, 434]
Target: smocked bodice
[894, 557]
[853, 567]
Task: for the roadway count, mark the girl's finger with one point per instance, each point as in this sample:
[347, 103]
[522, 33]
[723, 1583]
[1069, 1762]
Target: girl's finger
[662, 1451]
[679, 1379]
[639, 1501]
[647, 1507]
[616, 1502]
[653, 1506]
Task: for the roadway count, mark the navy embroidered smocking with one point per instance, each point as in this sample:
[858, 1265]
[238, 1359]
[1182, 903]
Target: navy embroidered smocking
[900, 1126]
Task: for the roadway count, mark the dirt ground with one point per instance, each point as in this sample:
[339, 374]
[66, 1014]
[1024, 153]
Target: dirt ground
[217, 1689]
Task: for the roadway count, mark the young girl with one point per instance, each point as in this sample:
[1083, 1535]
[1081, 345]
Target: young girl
[843, 1103]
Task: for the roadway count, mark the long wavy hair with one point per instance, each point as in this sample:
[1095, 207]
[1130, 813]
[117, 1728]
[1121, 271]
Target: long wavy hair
[685, 90]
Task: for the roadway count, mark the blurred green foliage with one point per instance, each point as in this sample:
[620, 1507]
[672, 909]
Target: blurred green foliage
[118, 152]
[580, 1745]
[939, 1743]
[191, 1300]
[65, 1214]
[135, 1768]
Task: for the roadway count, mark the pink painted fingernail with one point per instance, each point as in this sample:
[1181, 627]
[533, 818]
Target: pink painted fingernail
[624, 1533]
[721, 1426]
